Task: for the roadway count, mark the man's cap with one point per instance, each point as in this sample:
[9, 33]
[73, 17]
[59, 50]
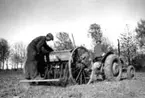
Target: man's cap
[49, 35]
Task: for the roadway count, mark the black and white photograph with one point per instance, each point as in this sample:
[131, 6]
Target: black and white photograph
[72, 48]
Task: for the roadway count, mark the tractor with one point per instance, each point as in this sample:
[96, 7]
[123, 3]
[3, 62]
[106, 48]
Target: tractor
[112, 66]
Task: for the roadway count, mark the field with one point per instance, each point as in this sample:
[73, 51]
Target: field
[11, 88]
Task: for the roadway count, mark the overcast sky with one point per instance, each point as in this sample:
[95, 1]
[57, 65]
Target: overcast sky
[23, 20]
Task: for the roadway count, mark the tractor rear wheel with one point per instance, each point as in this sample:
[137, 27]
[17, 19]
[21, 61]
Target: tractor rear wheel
[112, 68]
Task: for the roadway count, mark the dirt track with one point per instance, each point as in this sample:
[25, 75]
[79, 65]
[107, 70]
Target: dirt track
[11, 88]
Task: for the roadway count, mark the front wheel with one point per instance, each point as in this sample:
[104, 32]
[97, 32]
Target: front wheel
[130, 72]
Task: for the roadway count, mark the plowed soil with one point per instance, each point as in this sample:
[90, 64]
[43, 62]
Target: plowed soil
[11, 88]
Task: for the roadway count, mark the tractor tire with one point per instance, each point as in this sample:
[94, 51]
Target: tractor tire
[112, 68]
[130, 72]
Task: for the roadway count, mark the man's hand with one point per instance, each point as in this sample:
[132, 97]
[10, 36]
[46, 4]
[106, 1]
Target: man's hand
[44, 51]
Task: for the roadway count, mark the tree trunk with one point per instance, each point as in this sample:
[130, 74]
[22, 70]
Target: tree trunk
[12, 66]
[128, 56]
[3, 63]
[17, 65]
[7, 67]
[0, 65]
[22, 65]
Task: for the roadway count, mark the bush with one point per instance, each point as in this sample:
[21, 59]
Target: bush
[138, 61]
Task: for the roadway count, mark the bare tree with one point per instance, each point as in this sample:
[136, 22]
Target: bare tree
[128, 45]
[18, 54]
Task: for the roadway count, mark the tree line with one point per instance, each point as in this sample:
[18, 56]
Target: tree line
[130, 43]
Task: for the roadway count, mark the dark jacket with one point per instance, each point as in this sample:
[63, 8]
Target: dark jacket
[38, 43]
[37, 46]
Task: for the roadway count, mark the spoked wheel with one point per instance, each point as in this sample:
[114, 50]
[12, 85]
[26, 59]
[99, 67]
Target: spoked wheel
[130, 72]
[79, 63]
